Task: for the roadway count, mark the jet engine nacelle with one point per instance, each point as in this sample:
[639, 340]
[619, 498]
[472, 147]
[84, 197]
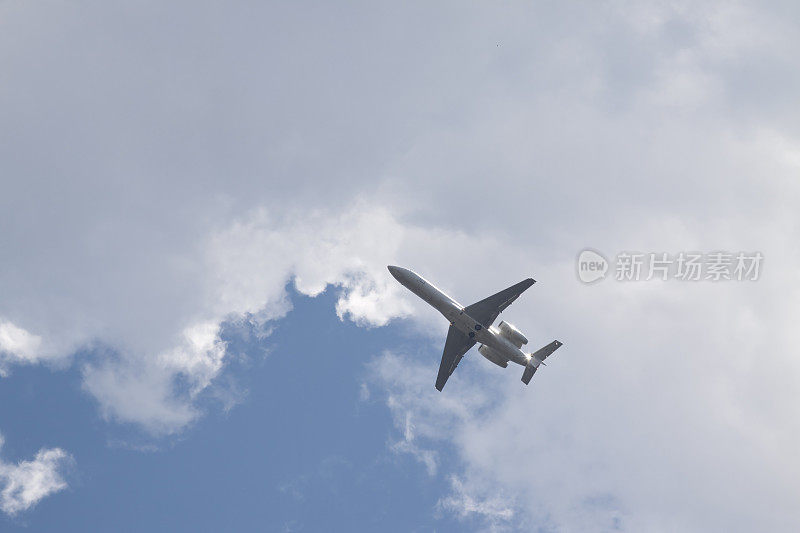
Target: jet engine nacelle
[513, 334]
[492, 356]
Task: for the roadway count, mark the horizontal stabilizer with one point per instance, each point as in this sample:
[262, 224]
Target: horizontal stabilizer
[530, 370]
[543, 353]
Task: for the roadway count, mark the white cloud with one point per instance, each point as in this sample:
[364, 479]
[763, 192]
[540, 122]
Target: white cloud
[246, 268]
[26, 483]
[494, 510]
[623, 424]
[251, 261]
[200, 357]
[144, 241]
[142, 391]
[17, 346]
[407, 445]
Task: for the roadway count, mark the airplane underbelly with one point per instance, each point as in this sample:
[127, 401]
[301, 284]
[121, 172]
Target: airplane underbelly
[503, 348]
[465, 324]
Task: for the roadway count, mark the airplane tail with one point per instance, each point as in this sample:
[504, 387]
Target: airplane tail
[530, 370]
[537, 358]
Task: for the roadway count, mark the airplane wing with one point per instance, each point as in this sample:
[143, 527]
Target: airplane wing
[485, 312]
[456, 345]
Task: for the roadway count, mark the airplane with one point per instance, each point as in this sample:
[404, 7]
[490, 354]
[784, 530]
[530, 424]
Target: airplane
[473, 324]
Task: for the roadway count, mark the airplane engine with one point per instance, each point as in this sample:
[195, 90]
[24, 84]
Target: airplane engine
[513, 334]
[492, 356]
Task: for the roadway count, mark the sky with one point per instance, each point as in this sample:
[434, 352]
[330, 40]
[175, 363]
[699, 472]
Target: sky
[198, 202]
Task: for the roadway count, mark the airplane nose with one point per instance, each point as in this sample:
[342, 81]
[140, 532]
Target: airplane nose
[400, 274]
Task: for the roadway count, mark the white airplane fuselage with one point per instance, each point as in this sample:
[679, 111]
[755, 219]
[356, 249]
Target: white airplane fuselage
[454, 313]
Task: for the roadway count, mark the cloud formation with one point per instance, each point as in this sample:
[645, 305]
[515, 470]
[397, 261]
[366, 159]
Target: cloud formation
[24, 484]
[17, 346]
[493, 510]
[246, 269]
[188, 179]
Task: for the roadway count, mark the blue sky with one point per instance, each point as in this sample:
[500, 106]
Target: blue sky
[198, 202]
[303, 450]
